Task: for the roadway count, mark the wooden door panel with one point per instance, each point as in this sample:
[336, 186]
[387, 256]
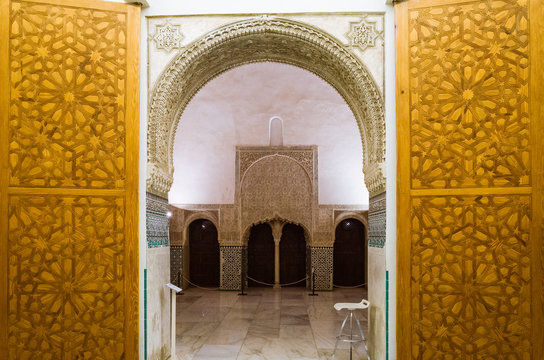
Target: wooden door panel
[69, 132]
[470, 179]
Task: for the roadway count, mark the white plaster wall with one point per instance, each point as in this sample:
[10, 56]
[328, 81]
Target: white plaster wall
[168, 7]
[235, 108]
[158, 301]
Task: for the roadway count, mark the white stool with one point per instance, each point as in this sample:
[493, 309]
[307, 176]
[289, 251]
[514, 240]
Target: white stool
[351, 338]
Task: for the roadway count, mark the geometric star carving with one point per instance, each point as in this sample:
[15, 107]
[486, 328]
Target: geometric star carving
[363, 34]
[168, 36]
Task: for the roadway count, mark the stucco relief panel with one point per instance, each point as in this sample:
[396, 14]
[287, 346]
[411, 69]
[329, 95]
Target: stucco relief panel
[276, 187]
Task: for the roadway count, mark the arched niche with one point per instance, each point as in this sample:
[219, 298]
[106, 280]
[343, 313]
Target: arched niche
[350, 253]
[261, 39]
[260, 255]
[204, 255]
[293, 255]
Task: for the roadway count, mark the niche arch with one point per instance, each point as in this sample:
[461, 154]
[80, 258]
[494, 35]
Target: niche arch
[204, 254]
[201, 215]
[261, 39]
[350, 254]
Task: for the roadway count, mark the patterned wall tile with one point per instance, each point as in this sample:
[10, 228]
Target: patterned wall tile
[176, 265]
[377, 221]
[231, 267]
[157, 223]
[322, 263]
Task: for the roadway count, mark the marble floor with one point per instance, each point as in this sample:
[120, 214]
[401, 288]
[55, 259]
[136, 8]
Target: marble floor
[266, 324]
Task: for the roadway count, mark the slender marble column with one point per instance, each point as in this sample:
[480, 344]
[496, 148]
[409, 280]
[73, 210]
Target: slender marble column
[277, 264]
[277, 228]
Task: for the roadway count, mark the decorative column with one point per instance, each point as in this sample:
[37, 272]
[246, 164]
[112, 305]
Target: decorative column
[277, 227]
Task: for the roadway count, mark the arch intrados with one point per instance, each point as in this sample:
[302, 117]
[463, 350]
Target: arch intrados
[351, 215]
[258, 40]
[196, 217]
[201, 216]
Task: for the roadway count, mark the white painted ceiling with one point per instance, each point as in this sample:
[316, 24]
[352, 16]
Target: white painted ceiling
[234, 109]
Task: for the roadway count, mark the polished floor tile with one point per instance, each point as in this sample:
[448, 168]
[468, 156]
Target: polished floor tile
[267, 324]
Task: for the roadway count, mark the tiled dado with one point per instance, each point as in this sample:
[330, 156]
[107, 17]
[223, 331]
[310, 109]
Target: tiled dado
[231, 266]
[176, 265]
[156, 221]
[377, 221]
[321, 258]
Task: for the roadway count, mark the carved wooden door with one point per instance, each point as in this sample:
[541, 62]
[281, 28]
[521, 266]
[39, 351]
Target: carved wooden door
[69, 132]
[292, 255]
[349, 254]
[470, 179]
[260, 255]
[203, 253]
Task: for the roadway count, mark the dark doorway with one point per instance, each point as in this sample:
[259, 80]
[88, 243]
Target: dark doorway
[203, 253]
[349, 253]
[260, 255]
[292, 255]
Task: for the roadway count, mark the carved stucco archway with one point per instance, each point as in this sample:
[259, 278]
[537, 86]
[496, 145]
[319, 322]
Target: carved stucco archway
[274, 39]
[257, 40]
[247, 230]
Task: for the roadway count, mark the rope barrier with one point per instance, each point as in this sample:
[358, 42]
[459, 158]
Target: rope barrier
[200, 287]
[268, 284]
[349, 287]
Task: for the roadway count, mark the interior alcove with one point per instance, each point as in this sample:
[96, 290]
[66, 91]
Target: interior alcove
[235, 109]
[349, 261]
[203, 253]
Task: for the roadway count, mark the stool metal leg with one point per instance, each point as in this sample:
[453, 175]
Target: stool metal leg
[362, 337]
[338, 337]
[351, 335]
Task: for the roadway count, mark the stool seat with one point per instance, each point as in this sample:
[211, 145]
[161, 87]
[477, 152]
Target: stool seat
[352, 306]
[350, 337]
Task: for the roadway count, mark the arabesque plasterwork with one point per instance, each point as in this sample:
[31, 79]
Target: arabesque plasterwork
[167, 36]
[257, 39]
[363, 34]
